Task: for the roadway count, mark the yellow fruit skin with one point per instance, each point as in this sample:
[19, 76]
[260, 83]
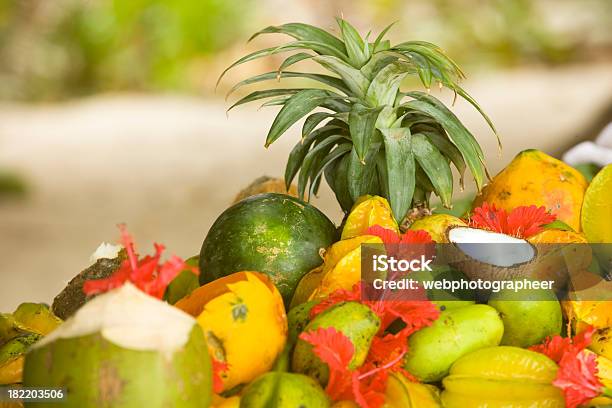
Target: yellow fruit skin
[562, 254]
[602, 343]
[307, 285]
[367, 212]
[244, 322]
[11, 372]
[36, 318]
[535, 178]
[402, 393]
[220, 402]
[502, 377]
[437, 226]
[457, 332]
[597, 207]
[342, 265]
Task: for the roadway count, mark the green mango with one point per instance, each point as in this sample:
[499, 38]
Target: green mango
[17, 347]
[184, 283]
[442, 298]
[529, 316]
[356, 321]
[10, 328]
[36, 318]
[297, 319]
[456, 332]
[284, 390]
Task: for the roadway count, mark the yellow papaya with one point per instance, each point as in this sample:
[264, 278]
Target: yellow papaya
[233, 311]
[535, 178]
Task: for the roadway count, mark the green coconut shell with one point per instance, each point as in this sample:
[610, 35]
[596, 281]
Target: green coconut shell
[278, 235]
[97, 373]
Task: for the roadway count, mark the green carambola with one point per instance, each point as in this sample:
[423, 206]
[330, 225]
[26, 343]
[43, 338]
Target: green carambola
[362, 132]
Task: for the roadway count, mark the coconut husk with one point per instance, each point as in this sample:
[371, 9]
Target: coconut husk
[266, 184]
[72, 297]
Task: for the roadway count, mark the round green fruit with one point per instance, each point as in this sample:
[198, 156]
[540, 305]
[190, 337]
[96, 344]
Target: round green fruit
[275, 234]
[284, 390]
[529, 316]
[124, 349]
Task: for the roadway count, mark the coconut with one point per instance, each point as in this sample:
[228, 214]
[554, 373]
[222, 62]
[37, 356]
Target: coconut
[489, 255]
[127, 349]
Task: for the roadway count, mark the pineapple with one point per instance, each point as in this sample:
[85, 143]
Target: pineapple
[362, 132]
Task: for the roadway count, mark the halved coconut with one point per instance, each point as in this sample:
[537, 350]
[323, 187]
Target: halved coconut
[128, 349]
[489, 255]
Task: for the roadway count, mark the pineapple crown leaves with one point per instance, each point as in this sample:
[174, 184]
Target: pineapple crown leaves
[361, 132]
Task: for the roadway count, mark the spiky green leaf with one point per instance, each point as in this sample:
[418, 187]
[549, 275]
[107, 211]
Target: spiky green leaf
[317, 172]
[449, 150]
[274, 75]
[362, 125]
[362, 176]
[269, 93]
[296, 107]
[458, 134]
[435, 165]
[305, 32]
[337, 178]
[355, 47]
[385, 85]
[353, 78]
[294, 59]
[296, 157]
[313, 120]
[317, 153]
[400, 170]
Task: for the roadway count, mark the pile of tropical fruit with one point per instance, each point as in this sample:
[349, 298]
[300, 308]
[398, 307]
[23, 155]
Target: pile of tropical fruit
[272, 313]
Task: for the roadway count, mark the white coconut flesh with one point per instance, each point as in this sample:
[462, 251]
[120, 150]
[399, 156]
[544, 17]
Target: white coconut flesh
[491, 247]
[105, 251]
[131, 319]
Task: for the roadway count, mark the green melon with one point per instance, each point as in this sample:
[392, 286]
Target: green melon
[275, 234]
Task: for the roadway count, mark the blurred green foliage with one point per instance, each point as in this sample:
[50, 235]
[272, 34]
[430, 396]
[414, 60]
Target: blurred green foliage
[62, 48]
[57, 49]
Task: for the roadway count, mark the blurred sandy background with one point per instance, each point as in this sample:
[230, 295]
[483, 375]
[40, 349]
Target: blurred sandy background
[108, 112]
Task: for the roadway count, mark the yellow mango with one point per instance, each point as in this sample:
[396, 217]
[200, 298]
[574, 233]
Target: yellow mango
[307, 285]
[602, 343]
[502, 377]
[535, 178]
[367, 212]
[437, 226]
[244, 323]
[597, 207]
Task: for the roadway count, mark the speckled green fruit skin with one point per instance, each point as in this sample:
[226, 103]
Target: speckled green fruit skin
[456, 332]
[527, 322]
[275, 234]
[98, 373]
[284, 390]
[298, 318]
[354, 320]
